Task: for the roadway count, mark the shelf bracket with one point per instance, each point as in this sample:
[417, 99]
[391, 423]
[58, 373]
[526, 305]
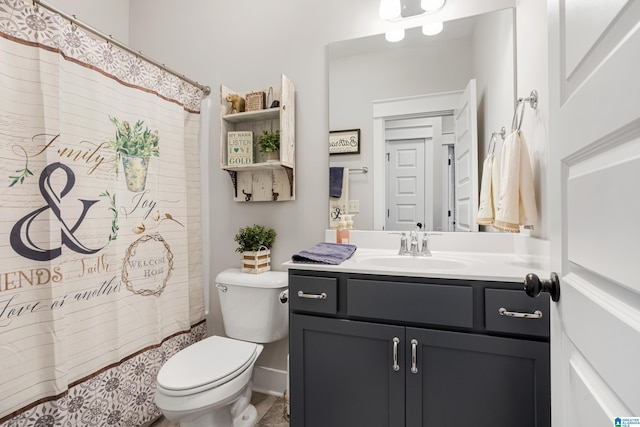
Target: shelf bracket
[234, 181]
[289, 172]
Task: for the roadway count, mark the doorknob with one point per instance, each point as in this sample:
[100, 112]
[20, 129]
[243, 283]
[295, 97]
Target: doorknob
[533, 286]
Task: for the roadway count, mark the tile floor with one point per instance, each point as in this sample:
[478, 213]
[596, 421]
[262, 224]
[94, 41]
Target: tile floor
[271, 412]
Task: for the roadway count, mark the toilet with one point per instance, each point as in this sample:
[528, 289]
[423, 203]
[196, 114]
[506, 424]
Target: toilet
[209, 382]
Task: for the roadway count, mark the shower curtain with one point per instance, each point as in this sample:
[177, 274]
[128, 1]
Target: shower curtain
[100, 244]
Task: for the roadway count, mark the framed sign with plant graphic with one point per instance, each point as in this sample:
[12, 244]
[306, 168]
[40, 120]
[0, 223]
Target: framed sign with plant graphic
[344, 141]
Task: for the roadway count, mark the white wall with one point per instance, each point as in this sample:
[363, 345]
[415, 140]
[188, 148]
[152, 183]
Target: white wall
[248, 44]
[110, 17]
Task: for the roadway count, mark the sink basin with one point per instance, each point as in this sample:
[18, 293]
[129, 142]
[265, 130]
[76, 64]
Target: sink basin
[411, 262]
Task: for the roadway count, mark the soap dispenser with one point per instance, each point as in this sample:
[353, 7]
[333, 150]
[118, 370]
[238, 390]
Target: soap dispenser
[343, 232]
[349, 221]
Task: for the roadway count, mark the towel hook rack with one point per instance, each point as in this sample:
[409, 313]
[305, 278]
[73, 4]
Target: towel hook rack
[532, 99]
[363, 169]
[494, 140]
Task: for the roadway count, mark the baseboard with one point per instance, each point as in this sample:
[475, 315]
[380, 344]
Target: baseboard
[269, 381]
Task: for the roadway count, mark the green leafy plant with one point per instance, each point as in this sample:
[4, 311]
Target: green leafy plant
[269, 141]
[251, 239]
[134, 141]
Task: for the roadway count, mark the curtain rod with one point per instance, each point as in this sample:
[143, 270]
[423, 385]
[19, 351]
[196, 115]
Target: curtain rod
[109, 39]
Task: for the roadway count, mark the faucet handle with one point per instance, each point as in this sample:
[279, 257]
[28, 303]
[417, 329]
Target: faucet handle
[413, 248]
[424, 251]
[403, 244]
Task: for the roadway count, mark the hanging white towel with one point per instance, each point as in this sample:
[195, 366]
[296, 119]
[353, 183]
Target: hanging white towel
[517, 204]
[489, 191]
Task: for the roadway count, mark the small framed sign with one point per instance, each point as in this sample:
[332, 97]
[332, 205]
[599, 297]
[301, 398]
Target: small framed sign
[344, 141]
[255, 101]
[239, 148]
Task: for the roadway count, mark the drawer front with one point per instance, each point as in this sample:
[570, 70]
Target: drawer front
[516, 302]
[313, 294]
[411, 302]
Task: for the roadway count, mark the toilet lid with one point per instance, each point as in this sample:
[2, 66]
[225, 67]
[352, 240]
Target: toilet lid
[213, 360]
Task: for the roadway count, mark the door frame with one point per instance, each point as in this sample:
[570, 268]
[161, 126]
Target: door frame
[429, 132]
[431, 105]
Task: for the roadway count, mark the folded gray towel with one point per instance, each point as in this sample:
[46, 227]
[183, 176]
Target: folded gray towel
[335, 181]
[325, 253]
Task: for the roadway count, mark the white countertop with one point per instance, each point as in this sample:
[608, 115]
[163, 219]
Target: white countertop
[502, 261]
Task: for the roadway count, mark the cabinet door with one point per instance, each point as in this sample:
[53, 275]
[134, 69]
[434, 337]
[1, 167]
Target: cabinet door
[342, 373]
[479, 380]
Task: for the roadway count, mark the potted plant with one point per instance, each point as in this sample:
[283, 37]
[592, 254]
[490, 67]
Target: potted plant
[269, 144]
[254, 242]
[135, 146]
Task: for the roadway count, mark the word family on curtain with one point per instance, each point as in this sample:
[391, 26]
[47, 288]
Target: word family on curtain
[100, 236]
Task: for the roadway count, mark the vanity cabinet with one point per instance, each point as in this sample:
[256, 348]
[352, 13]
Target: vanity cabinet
[263, 179]
[368, 350]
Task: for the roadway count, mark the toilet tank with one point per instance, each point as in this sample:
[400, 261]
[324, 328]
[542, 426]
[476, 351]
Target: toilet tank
[250, 305]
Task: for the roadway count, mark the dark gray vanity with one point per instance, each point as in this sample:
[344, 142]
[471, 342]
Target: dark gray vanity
[379, 350]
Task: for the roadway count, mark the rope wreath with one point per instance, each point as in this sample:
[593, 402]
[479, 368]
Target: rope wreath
[131, 251]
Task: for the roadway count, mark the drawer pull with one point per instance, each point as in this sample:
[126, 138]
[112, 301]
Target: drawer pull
[535, 315]
[414, 356]
[396, 341]
[301, 294]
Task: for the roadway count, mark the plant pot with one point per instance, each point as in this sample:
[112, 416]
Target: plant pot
[256, 261]
[135, 172]
[273, 156]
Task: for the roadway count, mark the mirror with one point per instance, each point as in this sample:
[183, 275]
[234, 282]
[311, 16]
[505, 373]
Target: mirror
[368, 71]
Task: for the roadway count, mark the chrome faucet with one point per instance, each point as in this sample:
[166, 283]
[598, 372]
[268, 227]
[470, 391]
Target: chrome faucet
[414, 248]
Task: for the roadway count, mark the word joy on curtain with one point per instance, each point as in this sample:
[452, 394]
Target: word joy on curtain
[100, 239]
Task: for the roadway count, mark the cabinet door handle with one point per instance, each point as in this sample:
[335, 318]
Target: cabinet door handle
[535, 315]
[301, 294]
[396, 341]
[414, 356]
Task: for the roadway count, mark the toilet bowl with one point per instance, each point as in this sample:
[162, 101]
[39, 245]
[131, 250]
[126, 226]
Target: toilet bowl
[209, 383]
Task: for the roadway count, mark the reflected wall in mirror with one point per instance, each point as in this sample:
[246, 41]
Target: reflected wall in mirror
[370, 70]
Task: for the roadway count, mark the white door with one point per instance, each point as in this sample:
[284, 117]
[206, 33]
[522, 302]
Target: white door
[405, 184]
[594, 187]
[466, 166]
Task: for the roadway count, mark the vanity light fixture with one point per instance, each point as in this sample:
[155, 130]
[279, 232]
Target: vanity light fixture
[394, 35]
[432, 28]
[390, 9]
[432, 5]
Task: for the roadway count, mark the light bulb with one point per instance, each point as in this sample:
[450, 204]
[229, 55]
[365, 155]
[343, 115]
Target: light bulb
[432, 28]
[394, 35]
[431, 5]
[390, 9]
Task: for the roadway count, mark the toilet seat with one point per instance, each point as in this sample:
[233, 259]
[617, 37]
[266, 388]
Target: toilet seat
[206, 364]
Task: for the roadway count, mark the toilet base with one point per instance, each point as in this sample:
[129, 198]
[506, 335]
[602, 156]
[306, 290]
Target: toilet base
[222, 418]
[238, 413]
